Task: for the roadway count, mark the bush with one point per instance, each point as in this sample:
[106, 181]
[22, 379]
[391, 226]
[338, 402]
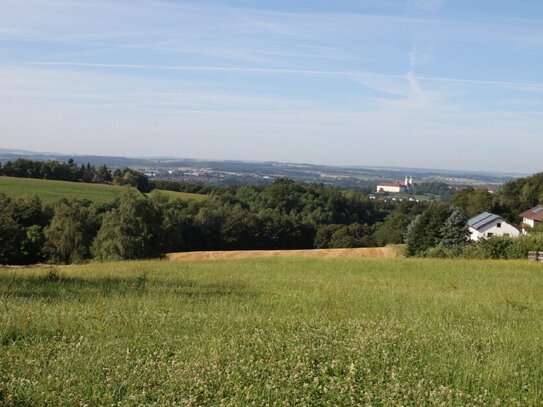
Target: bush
[493, 248]
[443, 252]
[524, 244]
[497, 247]
[474, 251]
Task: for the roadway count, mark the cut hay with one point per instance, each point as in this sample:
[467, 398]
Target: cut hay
[366, 252]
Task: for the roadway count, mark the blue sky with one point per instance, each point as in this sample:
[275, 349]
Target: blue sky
[424, 83]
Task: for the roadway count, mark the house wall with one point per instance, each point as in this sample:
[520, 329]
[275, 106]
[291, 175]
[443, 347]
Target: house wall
[492, 229]
[387, 188]
[529, 222]
[475, 235]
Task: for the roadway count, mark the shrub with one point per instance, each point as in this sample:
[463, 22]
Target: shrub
[497, 247]
[474, 251]
[443, 252]
[524, 244]
[494, 248]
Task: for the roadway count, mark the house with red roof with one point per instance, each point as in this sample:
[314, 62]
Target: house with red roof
[532, 217]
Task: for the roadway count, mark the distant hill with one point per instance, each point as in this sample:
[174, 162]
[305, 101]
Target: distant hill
[96, 160]
[52, 191]
[236, 172]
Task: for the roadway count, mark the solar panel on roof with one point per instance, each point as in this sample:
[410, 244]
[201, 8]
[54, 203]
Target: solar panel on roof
[479, 217]
[538, 209]
[482, 219]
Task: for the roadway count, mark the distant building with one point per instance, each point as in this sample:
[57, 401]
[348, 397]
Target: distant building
[487, 224]
[533, 217]
[397, 186]
[394, 187]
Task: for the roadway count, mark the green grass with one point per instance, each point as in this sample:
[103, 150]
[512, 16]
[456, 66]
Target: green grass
[52, 191]
[273, 332]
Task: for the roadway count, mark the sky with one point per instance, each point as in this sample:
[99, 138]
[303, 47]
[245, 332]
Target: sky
[453, 84]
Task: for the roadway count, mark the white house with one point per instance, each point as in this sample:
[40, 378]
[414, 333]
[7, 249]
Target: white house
[487, 225]
[533, 217]
[397, 186]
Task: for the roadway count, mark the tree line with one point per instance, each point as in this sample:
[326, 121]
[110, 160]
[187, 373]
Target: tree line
[283, 215]
[513, 198]
[70, 171]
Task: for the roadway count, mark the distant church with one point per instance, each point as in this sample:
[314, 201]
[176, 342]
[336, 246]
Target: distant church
[396, 187]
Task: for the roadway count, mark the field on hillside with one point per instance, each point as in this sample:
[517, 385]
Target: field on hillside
[52, 191]
[388, 252]
[273, 332]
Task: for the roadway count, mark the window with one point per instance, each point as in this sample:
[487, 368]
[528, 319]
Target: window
[490, 234]
[499, 225]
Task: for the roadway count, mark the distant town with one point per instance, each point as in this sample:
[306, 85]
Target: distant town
[377, 182]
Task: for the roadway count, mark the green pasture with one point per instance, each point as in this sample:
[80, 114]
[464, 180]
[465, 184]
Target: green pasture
[313, 332]
[52, 191]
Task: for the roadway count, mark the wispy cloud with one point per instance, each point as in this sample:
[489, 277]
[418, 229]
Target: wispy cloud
[335, 86]
[360, 76]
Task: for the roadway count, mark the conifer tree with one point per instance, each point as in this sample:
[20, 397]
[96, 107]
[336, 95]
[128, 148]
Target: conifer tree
[455, 230]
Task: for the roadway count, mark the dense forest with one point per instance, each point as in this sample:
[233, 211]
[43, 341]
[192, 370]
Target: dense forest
[283, 215]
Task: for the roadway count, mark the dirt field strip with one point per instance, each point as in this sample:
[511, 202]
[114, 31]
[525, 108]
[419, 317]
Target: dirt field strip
[376, 252]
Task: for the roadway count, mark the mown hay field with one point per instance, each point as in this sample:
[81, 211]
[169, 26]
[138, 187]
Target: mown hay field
[278, 331]
[389, 252]
[52, 191]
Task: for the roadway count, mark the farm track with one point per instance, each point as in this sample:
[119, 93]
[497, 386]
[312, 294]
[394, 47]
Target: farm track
[366, 252]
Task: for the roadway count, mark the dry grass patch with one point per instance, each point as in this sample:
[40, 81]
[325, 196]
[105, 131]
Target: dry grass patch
[388, 252]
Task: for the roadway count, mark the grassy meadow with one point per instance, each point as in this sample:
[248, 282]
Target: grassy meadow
[273, 332]
[52, 191]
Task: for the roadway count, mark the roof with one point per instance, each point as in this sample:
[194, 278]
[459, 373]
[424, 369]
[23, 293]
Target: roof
[483, 219]
[536, 213]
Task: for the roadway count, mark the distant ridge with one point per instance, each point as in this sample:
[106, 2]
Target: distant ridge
[117, 161]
